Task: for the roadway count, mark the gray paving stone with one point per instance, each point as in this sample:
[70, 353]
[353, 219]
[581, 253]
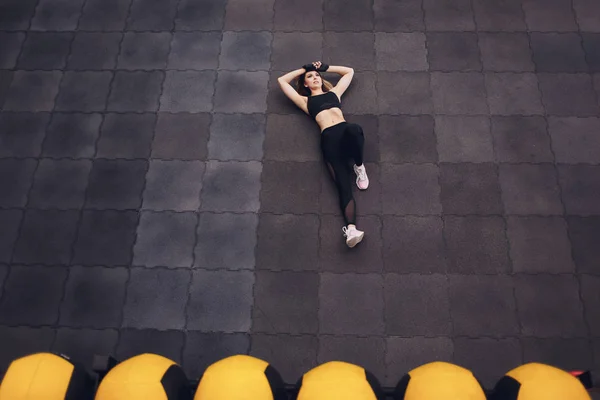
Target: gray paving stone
[448, 15]
[470, 189]
[368, 202]
[32, 295]
[499, 15]
[406, 354]
[249, 15]
[355, 49]
[580, 186]
[104, 15]
[290, 138]
[3, 271]
[367, 352]
[5, 80]
[530, 189]
[404, 93]
[133, 342]
[152, 15]
[24, 341]
[567, 354]
[16, 14]
[464, 139]
[22, 134]
[135, 91]
[521, 139]
[405, 16]
[292, 16]
[200, 15]
[575, 140]
[503, 52]
[241, 91]
[410, 189]
[126, 136]
[245, 50]
[238, 137]
[202, 349]
[291, 355]
[586, 12]
[539, 244]
[181, 136]
[549, 16]
[146, 50]
[568, 95]
[280, 249]
[351, 304]
[226, 241]
[46, 237]
[61, 15]
[549, 306]
[10, 220]
[11, 43]
[72, 135]
[94, 297]
[195, 50]
[590, 296]
[94, 51]
[15, 180]
[116, 184]
[583, 233]
[231, 186]
[106, 238]
[596, 83]
[83, 91]
[156, 298]
[411, 45]
[291, 187]
[60, 184]
[428, 315]
[291, 50]
[558, 52]
[591, 42]
[83, 344]
[458, 93]
[476, 245]
[334, 254]
[511, 93]
[173, 185]
[45, 51]
[483, 305]
[221, 301]
[453, 51]
[337, 16]
[361, 96]
[488, 359]
[165, 239]
[277, 102]
[32, 91]
[286, 302]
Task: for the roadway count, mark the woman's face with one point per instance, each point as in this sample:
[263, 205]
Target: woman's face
[312, 80]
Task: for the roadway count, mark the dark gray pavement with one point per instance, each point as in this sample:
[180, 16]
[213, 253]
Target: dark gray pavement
[158, 193]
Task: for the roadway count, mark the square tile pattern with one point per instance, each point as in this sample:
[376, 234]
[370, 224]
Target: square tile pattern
[159, 192]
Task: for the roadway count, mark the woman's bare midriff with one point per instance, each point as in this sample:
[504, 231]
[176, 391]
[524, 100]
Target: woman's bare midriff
[330, 117]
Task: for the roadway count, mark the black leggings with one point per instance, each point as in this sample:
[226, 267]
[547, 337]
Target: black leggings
[339, 144]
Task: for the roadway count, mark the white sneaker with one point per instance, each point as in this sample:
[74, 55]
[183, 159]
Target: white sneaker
[353, 235]
[362, 180]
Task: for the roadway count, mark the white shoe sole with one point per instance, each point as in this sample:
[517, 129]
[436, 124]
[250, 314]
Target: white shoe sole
[353, 241]
[359, 188]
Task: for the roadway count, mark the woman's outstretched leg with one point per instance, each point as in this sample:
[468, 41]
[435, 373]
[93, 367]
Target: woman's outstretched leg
[355, 143]
[341, 176]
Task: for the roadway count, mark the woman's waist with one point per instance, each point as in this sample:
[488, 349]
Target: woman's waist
[328, 118]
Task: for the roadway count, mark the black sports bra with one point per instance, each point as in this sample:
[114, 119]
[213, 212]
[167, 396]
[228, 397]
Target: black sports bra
[321, 102]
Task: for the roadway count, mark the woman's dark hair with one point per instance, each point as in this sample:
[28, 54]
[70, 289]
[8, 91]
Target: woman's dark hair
[304, 91]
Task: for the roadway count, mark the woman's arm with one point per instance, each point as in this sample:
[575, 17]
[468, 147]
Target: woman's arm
[347, 75]
[289, 91]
